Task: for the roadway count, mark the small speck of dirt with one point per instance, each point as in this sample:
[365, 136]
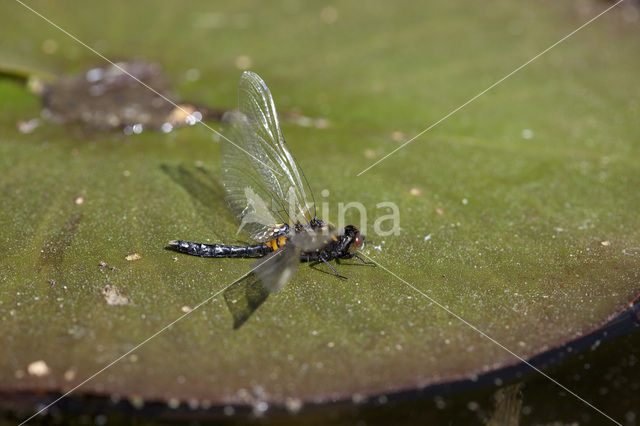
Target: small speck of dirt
[369, 153]
[329, 15]
[243, 62]
[103, 265]
[137, 401]
[398, 136]
[38, 369]
[293, 405]
[304, 121]
[49, 46]
[70, 374]
[438, 210]
[114, 297]
[133, 256]
[27, 126]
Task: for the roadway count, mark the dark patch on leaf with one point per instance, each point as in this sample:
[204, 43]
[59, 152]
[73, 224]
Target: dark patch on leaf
[53, 250]
[119, 97]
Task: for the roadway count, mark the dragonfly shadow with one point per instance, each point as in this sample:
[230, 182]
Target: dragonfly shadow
[204, 190]
[243, 298]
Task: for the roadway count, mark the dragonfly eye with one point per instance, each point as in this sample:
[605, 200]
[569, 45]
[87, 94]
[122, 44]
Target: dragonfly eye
[358, 241]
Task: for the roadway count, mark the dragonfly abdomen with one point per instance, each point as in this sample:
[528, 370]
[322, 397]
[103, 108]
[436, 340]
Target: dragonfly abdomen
[220, 250]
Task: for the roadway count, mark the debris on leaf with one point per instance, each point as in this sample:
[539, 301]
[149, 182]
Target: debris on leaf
[243, 62]
[70, 374]
[28, 126]
[114, 297]
[118, 96]
[507, 408]
[369, 153]
[398, 136]
[133, 257]
[303, 121]
[38, 369]
[104, 265]
[129, 96]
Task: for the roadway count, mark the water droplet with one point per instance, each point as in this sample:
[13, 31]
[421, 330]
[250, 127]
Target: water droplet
[527, 134]
[293, 405]
[94, 75]
[260, 407]
[166, 127]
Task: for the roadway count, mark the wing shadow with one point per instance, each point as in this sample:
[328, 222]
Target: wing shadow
[243, 298]
[205, 191]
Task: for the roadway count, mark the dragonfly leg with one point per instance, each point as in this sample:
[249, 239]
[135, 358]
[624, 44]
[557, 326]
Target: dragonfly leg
[333, 269]
[364, 261]
[335, 273]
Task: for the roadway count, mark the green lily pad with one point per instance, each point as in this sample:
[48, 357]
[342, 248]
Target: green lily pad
[519, 213]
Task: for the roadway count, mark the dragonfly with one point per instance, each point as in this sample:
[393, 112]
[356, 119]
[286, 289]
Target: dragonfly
[271, 198]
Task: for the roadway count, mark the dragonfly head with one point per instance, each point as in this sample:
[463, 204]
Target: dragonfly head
[356, 240]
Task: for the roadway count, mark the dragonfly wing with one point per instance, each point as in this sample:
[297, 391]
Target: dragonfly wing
[244, 297]
[269, 275]
[314, 238]
[275, 270]
[256, 162]
[248, 196]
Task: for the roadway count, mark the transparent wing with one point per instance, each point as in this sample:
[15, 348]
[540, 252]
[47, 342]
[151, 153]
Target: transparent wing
[314, 238]
[263, 182]
[275, 270]
[271, 273]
